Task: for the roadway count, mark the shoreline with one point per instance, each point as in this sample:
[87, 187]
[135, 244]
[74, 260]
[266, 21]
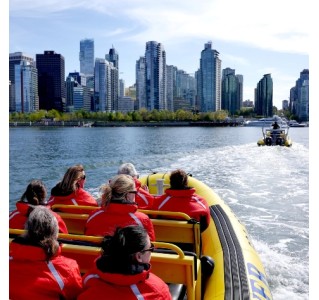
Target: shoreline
[124, 124]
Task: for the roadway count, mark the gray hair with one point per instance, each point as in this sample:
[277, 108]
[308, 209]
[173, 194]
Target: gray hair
[42, 229]
[127, 169]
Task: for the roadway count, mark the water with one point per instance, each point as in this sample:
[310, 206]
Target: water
[267, 187]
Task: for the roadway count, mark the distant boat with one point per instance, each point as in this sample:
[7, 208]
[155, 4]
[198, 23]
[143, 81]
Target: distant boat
[275, 137]
[267, 122]
[294, 123]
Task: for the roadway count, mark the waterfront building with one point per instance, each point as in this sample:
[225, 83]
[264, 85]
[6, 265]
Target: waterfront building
[171, 73]
[86, 56]
[155, 76]
[230, 99]
[210, 79]
[113, 59]
[51, 81]
[299, 97]
[78, 95]
[240, 91]
[264, 96]
[15, 59]
[121, 88]
[102, 85]
[140, 70]
[126, 104]
[26, 87]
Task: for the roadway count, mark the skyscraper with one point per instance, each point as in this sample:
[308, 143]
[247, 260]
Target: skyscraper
[26, 87]
[87, 56]
[140, 82]
[263, 96]
[15, 59]
[210, 79]
[155, 76]
[51, 80]
[231, 88]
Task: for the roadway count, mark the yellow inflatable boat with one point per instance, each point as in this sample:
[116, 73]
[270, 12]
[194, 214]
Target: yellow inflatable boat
[220, 263]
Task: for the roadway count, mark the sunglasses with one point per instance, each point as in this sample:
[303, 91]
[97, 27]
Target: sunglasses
[132, 192]
[83, 177]
[151, 249]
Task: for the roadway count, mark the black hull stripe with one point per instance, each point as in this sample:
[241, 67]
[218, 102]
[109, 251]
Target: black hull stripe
[236, 282]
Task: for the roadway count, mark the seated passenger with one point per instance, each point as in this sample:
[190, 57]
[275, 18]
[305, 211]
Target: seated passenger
[182, 198]
[143, 198]
[70, 190]
[34, 195]
[275, 125]
[123, 270]
[37, 270]
[117, 209]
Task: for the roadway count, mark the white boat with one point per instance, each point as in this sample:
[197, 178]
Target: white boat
[267, 122]
[294, 123]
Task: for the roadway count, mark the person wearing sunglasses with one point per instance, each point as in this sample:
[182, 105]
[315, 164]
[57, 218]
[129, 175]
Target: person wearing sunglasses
[123, 270]
[70, 190]
[143, 198]
[34, 195]
[118, 208]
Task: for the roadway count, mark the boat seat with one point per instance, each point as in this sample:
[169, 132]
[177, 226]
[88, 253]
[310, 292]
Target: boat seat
[183, 232]
[173, 266]
[177, 291]
[76, 209]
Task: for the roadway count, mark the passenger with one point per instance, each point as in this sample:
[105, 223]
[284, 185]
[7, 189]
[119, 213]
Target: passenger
[35, 194]
[37, 270]
[123, 270]
[182, 198]
[143, 198]
[70, 190]
[275, 125]
[117, 209]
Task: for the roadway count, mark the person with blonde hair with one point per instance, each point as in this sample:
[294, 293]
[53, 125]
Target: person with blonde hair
[37, 270]
[143, 198]
[70, 190]
[118, 208]
[123, 270]
[35, 194]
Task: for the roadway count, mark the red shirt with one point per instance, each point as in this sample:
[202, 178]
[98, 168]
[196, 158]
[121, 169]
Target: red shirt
[32, 277]
[105, 286]
[18, 217]
[104, 221]
[185, 201]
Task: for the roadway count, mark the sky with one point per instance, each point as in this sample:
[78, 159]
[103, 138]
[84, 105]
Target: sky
[252, 37]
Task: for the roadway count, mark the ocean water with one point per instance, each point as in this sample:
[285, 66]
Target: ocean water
[267, 187]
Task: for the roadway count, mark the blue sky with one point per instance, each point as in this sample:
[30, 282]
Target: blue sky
[251, 36]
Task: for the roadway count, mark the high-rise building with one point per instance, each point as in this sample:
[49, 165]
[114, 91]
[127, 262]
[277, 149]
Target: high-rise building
[87, 56]
[140, 70]
[102, 85]
[155, 76]
[26, 87]
[15, 59]
[51, 80]
[299, 97]
[231, 87]
[113, 57]
[263, 96]
[210, 79]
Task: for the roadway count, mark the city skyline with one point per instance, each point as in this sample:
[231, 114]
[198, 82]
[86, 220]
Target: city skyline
[246, 41]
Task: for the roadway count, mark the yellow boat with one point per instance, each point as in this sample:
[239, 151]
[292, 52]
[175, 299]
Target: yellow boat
[222, 263]
[275, 137]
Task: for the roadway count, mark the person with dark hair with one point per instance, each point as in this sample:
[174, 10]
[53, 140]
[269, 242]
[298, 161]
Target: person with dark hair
[182, 198]
[37, 270]
[143, 198]
[123, 270]
[70, 190]
[118, 208]
[35, 194]
[275, 125]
